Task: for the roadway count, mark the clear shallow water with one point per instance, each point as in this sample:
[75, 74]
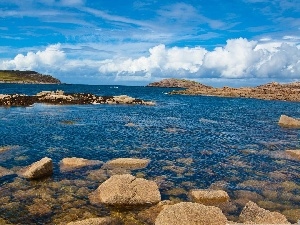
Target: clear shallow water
[192, 141]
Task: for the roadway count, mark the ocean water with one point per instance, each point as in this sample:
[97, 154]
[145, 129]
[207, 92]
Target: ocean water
[192, 142]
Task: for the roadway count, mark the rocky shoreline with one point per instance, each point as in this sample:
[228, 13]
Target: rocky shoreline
[269, 91]
[62, 98]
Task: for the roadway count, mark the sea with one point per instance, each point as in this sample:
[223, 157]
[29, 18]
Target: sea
[193, 142]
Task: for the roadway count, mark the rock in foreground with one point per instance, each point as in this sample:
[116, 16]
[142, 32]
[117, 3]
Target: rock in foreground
[188, 213]
[252, 213]
[294, 153]
[286, 121]
[68, 164]
[209, 197]
[126, 190]
[96, 221]
[127, 163]
[39, 169]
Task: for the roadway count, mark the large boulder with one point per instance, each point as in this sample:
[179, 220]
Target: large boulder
[68, 164]
[286, 121]
[127, 163]
[188, 213]
[252, 213]
[39, 169]
[208, 196]
[126, 190]
[96, 221]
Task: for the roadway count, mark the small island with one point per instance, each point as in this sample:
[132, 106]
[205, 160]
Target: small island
[26, 77]
[269, 91]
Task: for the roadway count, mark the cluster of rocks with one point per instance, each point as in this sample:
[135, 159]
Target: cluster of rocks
[270, 91]
[127, 191]
[62, 98]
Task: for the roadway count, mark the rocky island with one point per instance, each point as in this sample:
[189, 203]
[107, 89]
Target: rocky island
[62, 98]
[177, 83]
[269, 91]
[26, 77]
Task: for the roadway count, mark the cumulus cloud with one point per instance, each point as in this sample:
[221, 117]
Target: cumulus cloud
[51, 57]
[238, 59]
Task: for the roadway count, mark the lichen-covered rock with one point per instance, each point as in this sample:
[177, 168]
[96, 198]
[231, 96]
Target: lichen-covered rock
[252, 213]
[96, 221]
[127, 163]
[126, 190]
[294, 153]
[68, 164]
[209, 197]
[188, 213]
[39, 169]
[286, 121]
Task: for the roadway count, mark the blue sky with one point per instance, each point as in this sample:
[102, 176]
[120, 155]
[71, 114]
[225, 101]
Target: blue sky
[232, 42]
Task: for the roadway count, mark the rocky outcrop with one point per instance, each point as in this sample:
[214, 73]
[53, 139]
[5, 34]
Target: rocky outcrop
[126, 190]
[188, 213]
[39, 169]
[209, 197]
[252, 213]
[127, 163]
[26, 77]
[177, 83]
[270, 91]
[97, 221]
[286, 121]
[5, 172]
[294, 153]
[68, 164]
[62, 98]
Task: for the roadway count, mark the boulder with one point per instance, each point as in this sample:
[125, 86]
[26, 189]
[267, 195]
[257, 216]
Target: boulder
[68, 164]
[39, 169]
[208, 196]
[96, 221]
[286, 121]
[294, 153]
[188, 213]
[252, 213]
[127, 163]
[126, 190]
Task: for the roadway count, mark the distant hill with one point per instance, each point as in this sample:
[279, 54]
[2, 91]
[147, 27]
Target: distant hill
[177, 83]
[26, 77]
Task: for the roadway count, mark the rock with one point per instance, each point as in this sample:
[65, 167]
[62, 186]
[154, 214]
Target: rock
[39, 169]
[188, 213]
[253, 213]
[176, 83]
[68, 164]
[286, 121]
[96, 221]
[126, 190]
[127, 163]
[5, 172]
[209, 197]
[294, 153]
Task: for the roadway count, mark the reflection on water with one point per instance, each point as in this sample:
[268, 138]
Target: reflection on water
[192, 141]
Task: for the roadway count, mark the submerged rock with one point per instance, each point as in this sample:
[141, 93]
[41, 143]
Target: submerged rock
[39, 169]
[286, 121]
[96, 221]
[209, 197]
[68, 164]
[252, 213]
[127, 163]
[188, 213]
[294, 153]
[126, 190]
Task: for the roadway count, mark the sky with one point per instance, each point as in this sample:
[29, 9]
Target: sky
[135, 42]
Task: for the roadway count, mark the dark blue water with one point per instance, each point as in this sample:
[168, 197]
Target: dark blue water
[226, 139]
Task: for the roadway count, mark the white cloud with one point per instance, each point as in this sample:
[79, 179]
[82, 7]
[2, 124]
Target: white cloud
[238, 59]
[52, 57]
